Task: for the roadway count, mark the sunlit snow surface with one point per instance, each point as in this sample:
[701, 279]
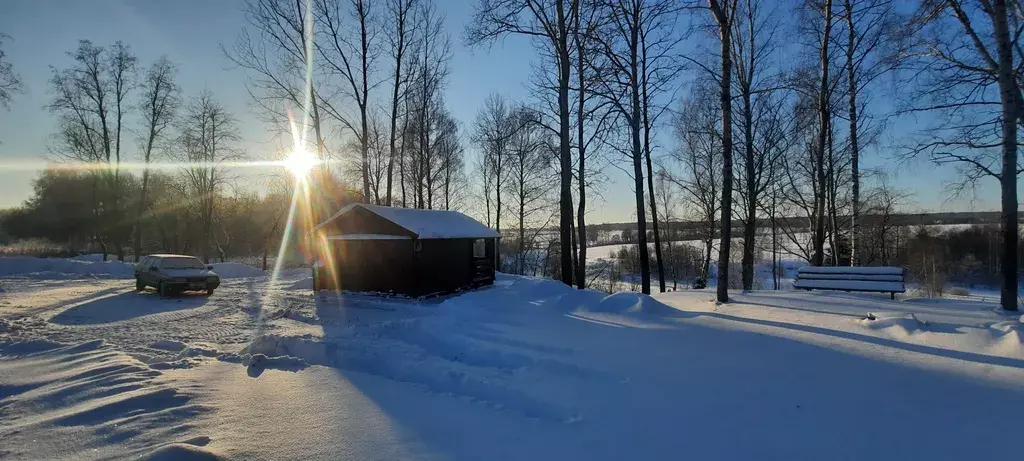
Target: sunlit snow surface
[525, 369]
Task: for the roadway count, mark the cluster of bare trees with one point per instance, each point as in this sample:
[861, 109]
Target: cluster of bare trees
[797, 131]
[772, 126]
[515, 168]
[600, 88]
[367, 80]
[114, 119]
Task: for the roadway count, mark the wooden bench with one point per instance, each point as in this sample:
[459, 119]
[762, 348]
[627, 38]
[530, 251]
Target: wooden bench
[844, 278]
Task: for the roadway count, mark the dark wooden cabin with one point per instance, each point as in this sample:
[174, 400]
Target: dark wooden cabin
[370, 248]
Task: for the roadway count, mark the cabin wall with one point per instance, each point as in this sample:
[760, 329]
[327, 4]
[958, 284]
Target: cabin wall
[444, 265]
[371, 265]
[393, 266]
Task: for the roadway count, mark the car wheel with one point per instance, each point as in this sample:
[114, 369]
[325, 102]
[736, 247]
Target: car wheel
[139, 285]
[209, 291]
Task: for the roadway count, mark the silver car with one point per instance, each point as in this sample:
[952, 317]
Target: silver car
[175, 274]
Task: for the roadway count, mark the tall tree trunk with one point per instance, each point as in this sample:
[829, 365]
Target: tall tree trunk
[854, 146]
[581, 210]
[750, 228]
[395, 92]
[638, 184]
[725, 31]
[522, 232]
[775, 246]
[832, 192]
[1008, 95]
[818, 257]
[650, 188]
[364, 141]
[565, 148]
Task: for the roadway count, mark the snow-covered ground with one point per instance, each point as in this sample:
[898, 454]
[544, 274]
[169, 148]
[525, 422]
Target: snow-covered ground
[526, 369]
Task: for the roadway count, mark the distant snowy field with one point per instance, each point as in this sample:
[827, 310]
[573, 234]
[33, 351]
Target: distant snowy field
[526, 369]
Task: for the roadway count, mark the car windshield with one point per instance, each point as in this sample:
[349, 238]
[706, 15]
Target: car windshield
[182, 263]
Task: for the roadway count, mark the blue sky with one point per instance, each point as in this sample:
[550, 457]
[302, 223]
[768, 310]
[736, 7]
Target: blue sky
[189, 33]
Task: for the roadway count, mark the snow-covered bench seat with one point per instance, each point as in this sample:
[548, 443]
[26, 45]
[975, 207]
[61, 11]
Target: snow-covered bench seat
[839, 278]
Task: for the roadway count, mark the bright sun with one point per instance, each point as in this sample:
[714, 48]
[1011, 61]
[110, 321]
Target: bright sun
[300, 162]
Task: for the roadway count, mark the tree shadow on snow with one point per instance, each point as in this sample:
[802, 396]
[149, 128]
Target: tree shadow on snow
[775, 388]
[911, 347]
[125, 306]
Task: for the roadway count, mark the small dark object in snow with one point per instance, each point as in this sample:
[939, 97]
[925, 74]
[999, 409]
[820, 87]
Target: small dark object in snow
[699, 284]
[870, 317]
[257, 361]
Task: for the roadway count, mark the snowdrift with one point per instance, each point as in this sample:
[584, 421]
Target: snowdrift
[59, 268]
[88, 391]
[91, 266]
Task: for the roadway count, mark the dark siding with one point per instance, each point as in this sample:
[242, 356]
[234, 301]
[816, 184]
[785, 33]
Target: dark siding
[444, 265]
[372, 265]
[393, 266]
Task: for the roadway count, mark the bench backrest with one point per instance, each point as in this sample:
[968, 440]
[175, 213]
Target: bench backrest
[867, 274]
[885, 279]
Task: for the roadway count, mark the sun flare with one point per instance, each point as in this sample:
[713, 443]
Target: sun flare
[300, 162]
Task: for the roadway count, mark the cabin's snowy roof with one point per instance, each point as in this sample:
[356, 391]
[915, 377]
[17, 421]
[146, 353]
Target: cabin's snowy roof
[425, 224]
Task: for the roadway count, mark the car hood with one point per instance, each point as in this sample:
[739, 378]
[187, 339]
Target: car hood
[190, 273]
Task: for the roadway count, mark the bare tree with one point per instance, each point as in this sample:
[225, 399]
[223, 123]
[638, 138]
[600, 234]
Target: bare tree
[276, 52]
[494, 129]
[869, 25]
[724, 12]
[658, 70]
[633, 46]
[401, 28]
[206, 135]
[589, 112]
[348, 46]
[160, 100]
[427, 97]
[10, 83]
[529, 174]
[450, 172]
[824, 124]
[966, 52]
[89, 97]
[756, 82]
[550, 22]
[700, 154]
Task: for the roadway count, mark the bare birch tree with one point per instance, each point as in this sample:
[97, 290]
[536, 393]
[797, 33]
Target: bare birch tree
[724, 13]
[401, 27]
[348, 44]
[160, 100]
[550, 22]
[207, 134]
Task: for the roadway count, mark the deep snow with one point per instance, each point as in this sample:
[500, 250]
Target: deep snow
[528, 368]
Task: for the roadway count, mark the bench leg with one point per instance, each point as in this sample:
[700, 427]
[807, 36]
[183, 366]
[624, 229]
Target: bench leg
[892, 296]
